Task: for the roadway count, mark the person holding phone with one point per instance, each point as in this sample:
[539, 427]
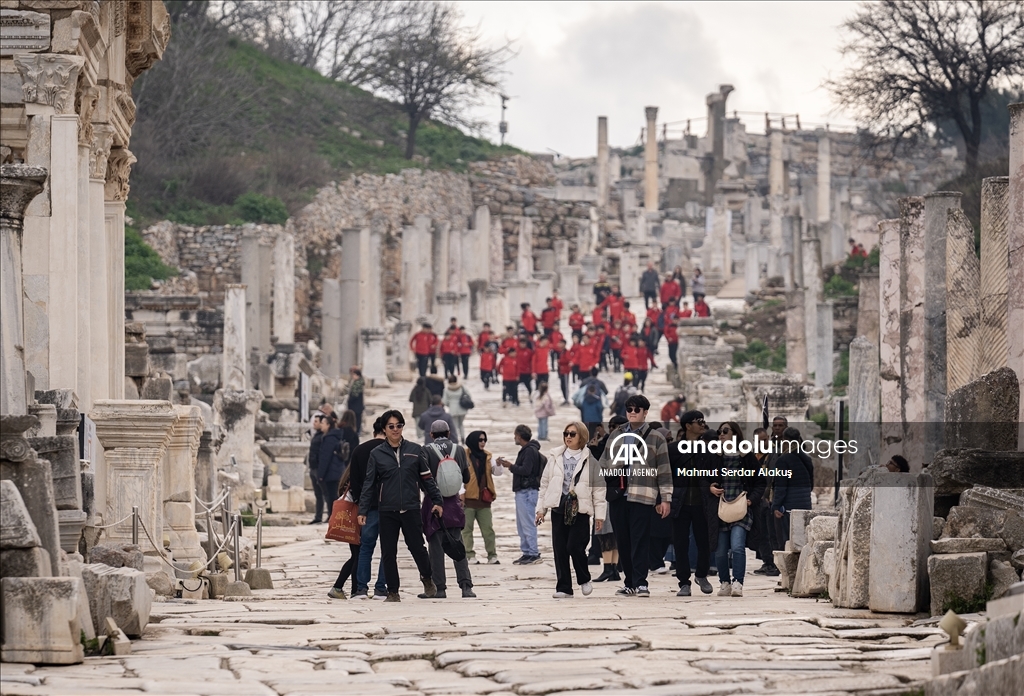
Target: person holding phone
[526, 475]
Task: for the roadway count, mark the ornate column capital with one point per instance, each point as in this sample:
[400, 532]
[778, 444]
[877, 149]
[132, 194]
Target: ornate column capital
[99, 150]
[49, 79]
[86, 99]
[20, 184]
[119, 166]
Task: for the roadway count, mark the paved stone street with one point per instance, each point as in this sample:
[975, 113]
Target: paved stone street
[514, 639]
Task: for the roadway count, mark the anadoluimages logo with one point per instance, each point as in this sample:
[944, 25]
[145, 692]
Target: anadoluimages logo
[628, 450]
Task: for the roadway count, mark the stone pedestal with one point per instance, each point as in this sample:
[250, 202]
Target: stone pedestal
[284, 288]
[629, 273]
[864, 406]
[41, 620]
[994, 257]
[134, 436]
[179, 474]
[234, 412]
[561, 254]
[569, 284]
[963, 312]
[375, 355]
[400, 335]
[901, 533]
[235, 363]
[544, 288]
[496, 310]
[446, 306]
[912, 327]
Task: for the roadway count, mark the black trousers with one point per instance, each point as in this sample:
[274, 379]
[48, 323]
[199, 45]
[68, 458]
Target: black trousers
[421, 364]
[485, 377]
[781, 530]
[330, 493]
[451, 364]
[641, 379]
[319, 494]
[526, 379]
[691, 517]
[569, 542]
[349, 569]
[765, 527]
[465, 366]
[672, 348]
[511, 391]
[409, 524]
[650, 296]
[632, 525]
[564, 380]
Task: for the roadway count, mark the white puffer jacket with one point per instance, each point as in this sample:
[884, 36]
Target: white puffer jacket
[590, 494]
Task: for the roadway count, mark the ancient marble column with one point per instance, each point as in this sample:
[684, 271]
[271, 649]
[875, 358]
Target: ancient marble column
[179, 476]
[64, 251]
[602, 161]
[352, 288]
[796, 335]
[496, 307]
[1015, 245]
[524, 250]
[253, 252]
[412, 275]
[824, 177]
[86, 364]
[234, 412]
[20, 184]
[864, 405]
[629, 273]
[994, 257]
[374, 316]
[963, 313]
[401, 332]
[751, 269]
[823, 367]
[813, 289]
[889, 355]
[375, 354]
[935, 282]
[561, 247]
[134, 436]
[912, 327]
[330, 328]
[235, 365]
[651, 160]
[496, 250]
[569, 284]
[867, 306]
[284, 289]
[101, 263]
[441, 247]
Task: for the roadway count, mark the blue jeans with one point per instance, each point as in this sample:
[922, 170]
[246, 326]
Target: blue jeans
[367, 543]
[526, 521]
[542, 428]
[734, 540]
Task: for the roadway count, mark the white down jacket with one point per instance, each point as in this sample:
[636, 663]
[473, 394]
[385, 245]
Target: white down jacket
[591, 496]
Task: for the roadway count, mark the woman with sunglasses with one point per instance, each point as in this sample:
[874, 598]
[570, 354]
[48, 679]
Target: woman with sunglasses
[567, 489]
[480, 493]
[732, 536]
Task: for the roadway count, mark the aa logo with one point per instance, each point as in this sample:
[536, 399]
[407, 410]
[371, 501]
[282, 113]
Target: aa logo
[627, 450]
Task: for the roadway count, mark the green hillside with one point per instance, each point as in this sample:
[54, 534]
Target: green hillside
[227, 134]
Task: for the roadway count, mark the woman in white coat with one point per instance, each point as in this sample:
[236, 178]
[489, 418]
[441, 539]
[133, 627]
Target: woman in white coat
[570, 475]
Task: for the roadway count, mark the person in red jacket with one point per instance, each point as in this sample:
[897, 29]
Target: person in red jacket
[589, 354]
[485, 337]
[528, 320]
[701, 309]
[450, 352]
[423, 344]
[465, 350]
[629, 358]
[671, 410]
[488, 362]
[555, 337]
[525, 356]
[548, 316]
[565, 368]
[576, 321]
[654, 314]
[509, 342]
[601, 346]
[557, 303]
[686, 312]
[670, 290]
[643, 359]
[540, 361]
[508, 368]
[598, 315]
[672, 336]
[628, 318]
[574, 357]
[615, 304]
[616, 340]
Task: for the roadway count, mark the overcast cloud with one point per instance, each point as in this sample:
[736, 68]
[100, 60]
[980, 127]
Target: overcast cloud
[577, 61]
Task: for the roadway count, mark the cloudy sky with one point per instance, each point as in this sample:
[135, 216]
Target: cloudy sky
[579, 60]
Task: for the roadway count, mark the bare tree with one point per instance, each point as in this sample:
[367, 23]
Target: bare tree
[434, 68]
[919, 62]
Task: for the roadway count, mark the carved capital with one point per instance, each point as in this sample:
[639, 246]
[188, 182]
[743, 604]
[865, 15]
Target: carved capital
[50, 79]
[119, 166]
[21, 183]
[148, 31]
[99, 150]
[87, 99]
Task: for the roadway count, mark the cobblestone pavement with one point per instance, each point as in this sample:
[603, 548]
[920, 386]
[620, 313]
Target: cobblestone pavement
[514, 639]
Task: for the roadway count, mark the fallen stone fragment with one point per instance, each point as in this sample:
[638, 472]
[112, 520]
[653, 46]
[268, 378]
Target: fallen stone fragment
[120, 593]
[956, 577]
[967, 545]
[40, 620]
[117, 555]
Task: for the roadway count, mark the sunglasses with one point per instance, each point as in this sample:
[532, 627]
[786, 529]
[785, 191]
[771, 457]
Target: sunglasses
[483, 439]
[634, 409]
[567, 434]
[396, 426]
[725, 431]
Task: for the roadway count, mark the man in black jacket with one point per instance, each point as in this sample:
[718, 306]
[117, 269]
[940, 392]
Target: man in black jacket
[688, 485]
[396, 472]
[319, 420]
[526, 473]
[370, 530]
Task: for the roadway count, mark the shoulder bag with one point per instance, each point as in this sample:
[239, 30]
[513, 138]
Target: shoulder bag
[732, 510]
[571, 507]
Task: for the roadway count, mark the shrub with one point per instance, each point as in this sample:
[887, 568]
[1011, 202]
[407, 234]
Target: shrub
[762, 356]
[837, 286]
[142, 265]
[255, 207]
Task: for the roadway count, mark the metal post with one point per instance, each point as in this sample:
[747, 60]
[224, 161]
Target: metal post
[209, 538]
[237, 532]
[135, 525]
[840, 408]
[225, 514]
[259, 539]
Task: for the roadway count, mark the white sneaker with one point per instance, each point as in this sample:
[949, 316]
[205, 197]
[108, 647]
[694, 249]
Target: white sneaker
[725, 590]
[737, 589]
[662, 570]
[562, 595]
[586, 588]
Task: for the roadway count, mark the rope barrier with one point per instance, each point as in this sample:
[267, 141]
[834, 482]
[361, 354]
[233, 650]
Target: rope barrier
[108, 526]
[157, 548]
[209, 507]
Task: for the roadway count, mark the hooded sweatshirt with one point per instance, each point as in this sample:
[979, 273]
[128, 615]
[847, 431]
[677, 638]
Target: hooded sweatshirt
[529, 466]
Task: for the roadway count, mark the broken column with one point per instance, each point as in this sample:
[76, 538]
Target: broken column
[962, 307]
[496, 250]
[814, 291]
[824, 199]
[864, 405]
[651, 161]
[234, 412]
[53, 638]
[524, 250]
[890, 366]
[901, 534]
[1015, 245]
[867, 306]
[912, 328]
[796, 336]
[284, 289]
[234, 366]
[352, 286]
[440, 247]
[134, 436]
[179, 474]
[823, 368]
[776, 190]
[629, 273]
[330, 328]
[255, 255]
[602, 161]
[400, 335]
[992, 344]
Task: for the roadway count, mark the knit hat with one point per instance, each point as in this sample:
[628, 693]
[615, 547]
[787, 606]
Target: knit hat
[439, 426]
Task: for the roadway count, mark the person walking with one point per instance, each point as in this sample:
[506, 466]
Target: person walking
[697, 285]
[319, 424]
[763, 530]
[637, 457]
[649, 286]
[791, 493]
[480, 493]
[508, 368]
[395, 474]
[348, 570]
[543, 408]
[465, 350]
[442, 449]
[604, 539]
[732, 536]
[450, 352]
[371, 530]
[568, 488]
[424, 346]
[453, 400]
[435, 412]
[356, 388]
[688, 506]
[488, 365]
[420, 398]
[335, 452]
[526, 475]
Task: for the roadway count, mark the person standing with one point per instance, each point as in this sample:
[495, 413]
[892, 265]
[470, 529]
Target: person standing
[526, 475]
[763, 532]
[356, 389]
[488, 364]
[395, 474]
[348, 570]
[649, 286]
[791, 493]
[637, 458]
[465, 346]
[732, 536]
[568, 489]
[450, 352]
[604, 540]
[423, 345]
[697, 285]
[435, 412]
[452, 399]
[335, 452]
[528, 320]
[688, 506]
[371, 530]
[319, 423]
[452, 517]
[670, 291]
[508, 368]
[420, 398]
[543, 408]
[480, 493]
[601, 289]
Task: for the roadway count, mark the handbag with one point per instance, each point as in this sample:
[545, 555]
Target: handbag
[571, 507]
[344, 523]
[732, 510]
[466, 401]
[487, 496]
[451, 543]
